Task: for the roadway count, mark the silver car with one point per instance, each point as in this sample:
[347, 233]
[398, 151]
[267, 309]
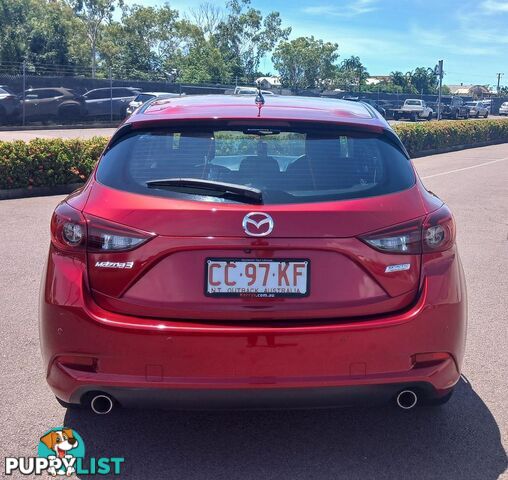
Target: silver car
[477, 109]
[109, 102]
[503, 109]
[145, 96]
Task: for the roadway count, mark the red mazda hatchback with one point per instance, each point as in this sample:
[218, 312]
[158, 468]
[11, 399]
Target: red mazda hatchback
[239, 253]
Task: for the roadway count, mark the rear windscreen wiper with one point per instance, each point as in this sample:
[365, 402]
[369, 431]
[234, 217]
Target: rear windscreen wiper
[212, 188]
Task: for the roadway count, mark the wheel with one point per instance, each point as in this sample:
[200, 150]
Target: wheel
[455, 115]
[414, 117]
[436, 402]
[478, 115]
[3, 116]
[67, 113]
[429, 117]
[486, 115]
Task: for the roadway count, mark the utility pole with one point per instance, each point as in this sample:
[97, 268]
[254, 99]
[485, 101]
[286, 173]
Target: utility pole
[110, 95]
[439, 72]
[24, 90]
[499, 75]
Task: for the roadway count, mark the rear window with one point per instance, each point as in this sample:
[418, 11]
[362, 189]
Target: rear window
[289, 165]
[413, 102]
[143, 97]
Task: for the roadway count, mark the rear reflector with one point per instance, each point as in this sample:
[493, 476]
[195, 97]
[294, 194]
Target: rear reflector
[421, 360]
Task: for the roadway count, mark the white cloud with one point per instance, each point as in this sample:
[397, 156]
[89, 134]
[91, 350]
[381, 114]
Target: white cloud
[350, 9]
[495, 6]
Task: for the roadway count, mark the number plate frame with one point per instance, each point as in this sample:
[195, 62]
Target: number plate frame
[254, 295]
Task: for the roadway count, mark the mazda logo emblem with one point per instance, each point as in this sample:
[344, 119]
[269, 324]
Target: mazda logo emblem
[257, 224]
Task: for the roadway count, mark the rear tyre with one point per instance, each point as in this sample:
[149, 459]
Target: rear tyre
[486, 115]
[436, 402]
[65, 404]
[67, 114]
[3, 116]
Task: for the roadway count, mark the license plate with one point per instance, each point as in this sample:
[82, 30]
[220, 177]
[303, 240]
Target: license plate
[259, 278]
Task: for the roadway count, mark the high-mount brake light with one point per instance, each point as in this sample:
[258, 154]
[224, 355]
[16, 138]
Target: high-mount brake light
[435, 234]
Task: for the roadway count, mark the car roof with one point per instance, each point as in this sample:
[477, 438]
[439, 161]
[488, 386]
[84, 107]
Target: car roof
[59, 89]
[288, 108]
[134, 89]
[158, 93]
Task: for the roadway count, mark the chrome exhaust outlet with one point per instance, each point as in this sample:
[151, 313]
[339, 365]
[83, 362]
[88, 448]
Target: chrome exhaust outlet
[407, 399]
[101, 404]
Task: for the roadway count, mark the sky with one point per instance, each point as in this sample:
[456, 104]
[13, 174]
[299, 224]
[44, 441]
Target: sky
[471, 36]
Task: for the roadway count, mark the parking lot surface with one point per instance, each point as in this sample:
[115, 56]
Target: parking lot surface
[464, 439]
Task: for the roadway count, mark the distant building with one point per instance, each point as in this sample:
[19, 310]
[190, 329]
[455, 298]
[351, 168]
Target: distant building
[478, 91]
[374, 80]
[269, 82]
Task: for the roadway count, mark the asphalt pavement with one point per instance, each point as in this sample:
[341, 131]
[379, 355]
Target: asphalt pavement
[464, 439]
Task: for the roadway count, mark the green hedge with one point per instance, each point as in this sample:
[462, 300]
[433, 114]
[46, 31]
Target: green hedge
[424, 136]
[49, 162]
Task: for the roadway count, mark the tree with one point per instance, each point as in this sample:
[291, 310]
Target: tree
[424, 80]
[400, 80]
[143, 43]
[93, 14]
[351, 72]
[207, 17]
[38, 32]
[305, 62]
[245, 37]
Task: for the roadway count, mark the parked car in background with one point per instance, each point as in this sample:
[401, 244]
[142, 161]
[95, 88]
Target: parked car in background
[453, 107]
[413, 109]
[107, 102]
[488, 104]
[250, 91]
[477, 109]
[375, 104]
[145, 96]
[46, 104]
[9, 105]
[503, 109]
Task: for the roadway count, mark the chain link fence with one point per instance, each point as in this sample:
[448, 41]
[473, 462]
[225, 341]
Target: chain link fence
[34, 94]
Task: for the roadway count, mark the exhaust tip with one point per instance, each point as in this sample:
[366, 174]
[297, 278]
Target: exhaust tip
[407, 399]
[101, 404]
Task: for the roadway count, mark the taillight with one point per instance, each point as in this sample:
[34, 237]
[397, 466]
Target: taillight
[71, 231]
[438, 231]
[402, 239]
[435, 234]
[68, 228]
[105, 236]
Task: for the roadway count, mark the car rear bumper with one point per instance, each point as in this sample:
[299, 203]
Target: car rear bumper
[145, 361]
